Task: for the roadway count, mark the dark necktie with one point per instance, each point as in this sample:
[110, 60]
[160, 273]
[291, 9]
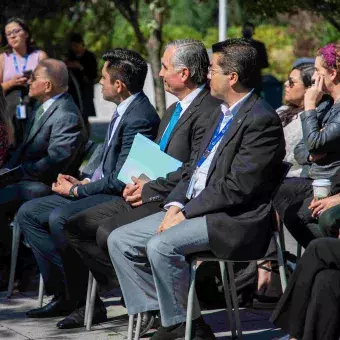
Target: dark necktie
[36, 120]
[99, 171]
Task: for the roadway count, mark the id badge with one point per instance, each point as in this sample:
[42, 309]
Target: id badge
[192, 183]
[21, 112]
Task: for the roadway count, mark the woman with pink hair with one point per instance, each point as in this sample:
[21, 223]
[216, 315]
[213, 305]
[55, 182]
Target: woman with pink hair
[310, 307]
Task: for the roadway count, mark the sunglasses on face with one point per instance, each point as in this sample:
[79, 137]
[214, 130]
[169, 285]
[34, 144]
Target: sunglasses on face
[292, 83]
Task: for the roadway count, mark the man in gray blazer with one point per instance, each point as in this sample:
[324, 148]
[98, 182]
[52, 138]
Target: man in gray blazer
[53, 138]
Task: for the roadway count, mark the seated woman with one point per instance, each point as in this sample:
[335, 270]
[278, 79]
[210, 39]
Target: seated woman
[310, 307]
[299, 80]
[6, 130]
[321, 140]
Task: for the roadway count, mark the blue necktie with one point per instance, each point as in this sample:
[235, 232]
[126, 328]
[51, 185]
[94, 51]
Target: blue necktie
[173, 121]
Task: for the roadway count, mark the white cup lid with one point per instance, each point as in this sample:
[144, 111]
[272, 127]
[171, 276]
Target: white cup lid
[321, 182]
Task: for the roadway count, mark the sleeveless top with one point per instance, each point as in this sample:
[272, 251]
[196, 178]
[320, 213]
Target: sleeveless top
[9, 67]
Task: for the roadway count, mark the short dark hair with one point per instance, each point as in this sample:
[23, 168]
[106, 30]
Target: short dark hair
[128, 67]
[240, 56]
[76, 38]
[249, 24]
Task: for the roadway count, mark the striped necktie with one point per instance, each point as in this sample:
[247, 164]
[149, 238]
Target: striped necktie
[173, 121]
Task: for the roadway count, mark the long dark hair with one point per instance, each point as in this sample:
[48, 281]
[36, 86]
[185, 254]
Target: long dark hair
[306, 73]
[30, 44]
[5, 119]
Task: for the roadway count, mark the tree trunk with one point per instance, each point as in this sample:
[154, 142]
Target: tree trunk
[154, 46]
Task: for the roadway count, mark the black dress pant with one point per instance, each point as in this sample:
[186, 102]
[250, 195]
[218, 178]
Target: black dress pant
[291, 202]
[310, 306]
[84, 229]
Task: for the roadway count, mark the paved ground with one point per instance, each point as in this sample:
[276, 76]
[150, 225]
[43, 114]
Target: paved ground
[15, 326]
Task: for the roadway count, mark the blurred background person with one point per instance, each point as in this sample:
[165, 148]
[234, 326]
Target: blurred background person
[20, 57]
[6, 130]
[299, 80]
[83, 66]
[248, 31]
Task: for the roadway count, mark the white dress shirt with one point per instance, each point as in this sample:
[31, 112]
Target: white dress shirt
[202, 171]
[46, 105]
[121, 108]
[185, 102]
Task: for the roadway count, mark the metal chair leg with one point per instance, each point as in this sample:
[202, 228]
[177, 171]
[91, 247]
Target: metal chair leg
[191, 297]
[130, 328]
[41, 291]
[88, 297]
[14, 257]
[234, 298]
[92, 305]
[227, 298]
[280, 259]
[138, 325]
[298, 251]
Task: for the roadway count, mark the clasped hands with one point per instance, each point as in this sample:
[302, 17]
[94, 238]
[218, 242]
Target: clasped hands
[64, 183]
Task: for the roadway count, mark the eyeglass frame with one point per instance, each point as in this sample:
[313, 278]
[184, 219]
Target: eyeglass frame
[292, 83]
[14, 31]
[211, 71]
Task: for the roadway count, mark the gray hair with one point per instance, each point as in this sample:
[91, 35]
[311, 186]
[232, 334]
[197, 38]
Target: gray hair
[193, 55]
[57, 72]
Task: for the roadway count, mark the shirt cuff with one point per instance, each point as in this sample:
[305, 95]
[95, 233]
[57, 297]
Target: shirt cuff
[176, 204]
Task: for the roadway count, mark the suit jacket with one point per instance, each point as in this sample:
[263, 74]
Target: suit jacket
[184, 141]
[53, 145]
[241, 179]
[139, 117]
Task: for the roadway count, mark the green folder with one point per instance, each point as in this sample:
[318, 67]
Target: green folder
[145, 157]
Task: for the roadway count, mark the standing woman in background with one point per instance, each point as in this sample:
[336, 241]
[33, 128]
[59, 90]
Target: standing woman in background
[6, 130]
[19, 58]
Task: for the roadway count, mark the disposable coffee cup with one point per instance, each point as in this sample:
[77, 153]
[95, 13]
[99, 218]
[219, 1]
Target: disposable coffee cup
[321, 188]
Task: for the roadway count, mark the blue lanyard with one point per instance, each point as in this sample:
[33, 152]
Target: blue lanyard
[17, 66]
[216, 138]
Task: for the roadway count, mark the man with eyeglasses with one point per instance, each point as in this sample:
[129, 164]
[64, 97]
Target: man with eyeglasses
[54, 136]
[222, 203]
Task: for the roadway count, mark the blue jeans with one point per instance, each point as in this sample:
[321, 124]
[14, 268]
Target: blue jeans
[42, 222]
[152, 268]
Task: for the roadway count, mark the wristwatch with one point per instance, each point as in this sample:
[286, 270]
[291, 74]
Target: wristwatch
[71, 192]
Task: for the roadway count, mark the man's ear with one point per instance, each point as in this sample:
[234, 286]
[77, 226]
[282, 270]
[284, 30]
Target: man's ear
[185, 74]
[233, 76]
[121, 87]
[49, 87]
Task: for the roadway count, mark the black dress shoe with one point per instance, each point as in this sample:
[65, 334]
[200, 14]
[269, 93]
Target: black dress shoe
[57, 307]
[148, 321]
[200, 331]
[76, 318]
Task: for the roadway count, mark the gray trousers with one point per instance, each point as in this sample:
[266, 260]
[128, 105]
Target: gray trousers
[152, 268]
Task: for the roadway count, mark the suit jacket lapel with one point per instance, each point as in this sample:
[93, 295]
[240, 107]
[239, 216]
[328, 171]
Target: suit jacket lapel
[43, 119]
[165, 121]
[233, 128]
[190, 110]
[126, 113]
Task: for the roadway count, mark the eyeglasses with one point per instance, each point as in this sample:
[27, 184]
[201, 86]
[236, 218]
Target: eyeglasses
[13, 32]
[292, 83]
[34, 78]
[211, 71]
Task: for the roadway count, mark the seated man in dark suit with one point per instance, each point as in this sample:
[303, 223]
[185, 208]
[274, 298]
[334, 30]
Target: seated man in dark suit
[42, 220]
[54, 136]
[184, 71]
[222, 204]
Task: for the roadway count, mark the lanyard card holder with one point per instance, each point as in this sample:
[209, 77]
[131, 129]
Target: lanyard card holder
[192, 183]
